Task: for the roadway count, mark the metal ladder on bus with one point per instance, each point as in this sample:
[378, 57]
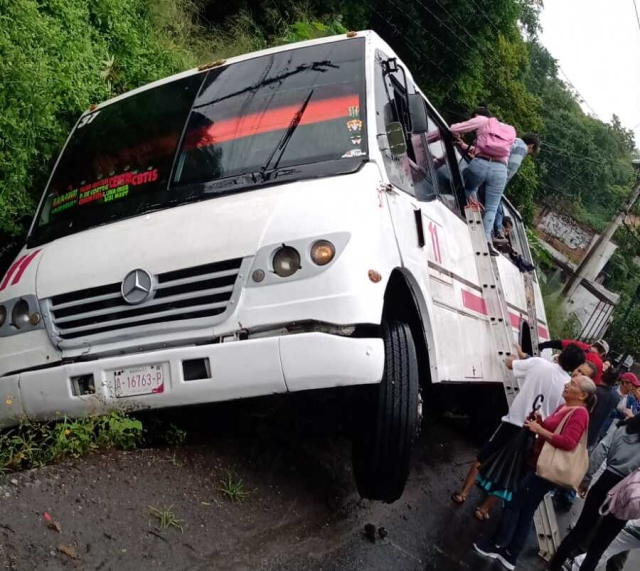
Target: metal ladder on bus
[532, 314]
[545, 518]
[494, 298]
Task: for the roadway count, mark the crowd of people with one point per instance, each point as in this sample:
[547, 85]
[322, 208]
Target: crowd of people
[572, 427]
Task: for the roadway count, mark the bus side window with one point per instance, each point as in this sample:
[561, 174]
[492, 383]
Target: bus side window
[463, 164]
[518, 234]
[415, 174]
[422, 171]
[444, 175]
[388, 111]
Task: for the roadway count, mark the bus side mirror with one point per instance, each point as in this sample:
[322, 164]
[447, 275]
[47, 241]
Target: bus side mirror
[418, 110]
[395, 139]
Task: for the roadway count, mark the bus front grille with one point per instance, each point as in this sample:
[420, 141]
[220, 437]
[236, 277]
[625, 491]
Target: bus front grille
[190, 293]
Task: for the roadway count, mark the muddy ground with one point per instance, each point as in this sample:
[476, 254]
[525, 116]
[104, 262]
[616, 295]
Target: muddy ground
[302, 512]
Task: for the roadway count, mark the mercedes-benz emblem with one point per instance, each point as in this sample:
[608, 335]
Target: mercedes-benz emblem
[136, 286]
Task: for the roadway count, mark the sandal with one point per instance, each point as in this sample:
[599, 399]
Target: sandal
[481, 515]
[458, 498]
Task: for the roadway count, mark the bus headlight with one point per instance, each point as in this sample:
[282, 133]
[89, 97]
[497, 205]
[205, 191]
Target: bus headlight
[286, 261]
[322, 252]
[20, 314]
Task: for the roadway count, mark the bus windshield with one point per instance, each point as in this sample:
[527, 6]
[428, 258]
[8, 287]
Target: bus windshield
[286, 116]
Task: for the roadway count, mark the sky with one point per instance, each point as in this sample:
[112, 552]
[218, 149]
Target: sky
[597, 44]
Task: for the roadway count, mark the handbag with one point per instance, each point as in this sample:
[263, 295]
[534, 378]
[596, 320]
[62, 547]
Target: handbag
[623, 500]
[564, 468]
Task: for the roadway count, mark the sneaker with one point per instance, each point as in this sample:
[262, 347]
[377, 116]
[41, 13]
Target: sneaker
[487, 548]
[508, 561]
[492, 250]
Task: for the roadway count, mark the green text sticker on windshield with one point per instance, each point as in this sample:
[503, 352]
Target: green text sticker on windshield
[106, 189]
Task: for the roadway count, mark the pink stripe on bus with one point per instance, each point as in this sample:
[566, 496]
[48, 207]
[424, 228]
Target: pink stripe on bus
[24, 264]
[474, 302]
[9, 274]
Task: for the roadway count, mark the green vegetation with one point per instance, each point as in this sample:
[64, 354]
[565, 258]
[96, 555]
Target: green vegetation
[57, 57]
[174, 435]
[166, 518]
[32, 444]
[232, 488]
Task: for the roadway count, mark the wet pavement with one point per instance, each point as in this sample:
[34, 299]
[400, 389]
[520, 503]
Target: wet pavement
[302, 512]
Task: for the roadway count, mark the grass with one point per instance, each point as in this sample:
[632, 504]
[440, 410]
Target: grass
[561, 325]
[174, 435]
[233, 489]
[35, 444]
[166, 518]
[175, 462]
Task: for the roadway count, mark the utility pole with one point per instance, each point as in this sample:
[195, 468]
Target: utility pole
[592, 259]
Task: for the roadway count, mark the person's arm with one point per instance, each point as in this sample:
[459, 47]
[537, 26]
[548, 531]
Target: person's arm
[583, 346]
[458, 128]
[554, 344]
[469, 126]
[515, 160]
[598, 456]
[571, 434]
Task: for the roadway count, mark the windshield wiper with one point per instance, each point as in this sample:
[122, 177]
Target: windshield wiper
[286, 137]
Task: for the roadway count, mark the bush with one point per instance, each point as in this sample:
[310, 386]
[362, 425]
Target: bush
[33, 444]
[59, 56]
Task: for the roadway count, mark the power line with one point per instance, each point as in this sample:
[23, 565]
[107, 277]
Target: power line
[414, 21]
[572, 154]
[485, 16]
[572, 86]
[487, 55]
[464, 29]
[444, 24]
[409, 46]
[637, 14]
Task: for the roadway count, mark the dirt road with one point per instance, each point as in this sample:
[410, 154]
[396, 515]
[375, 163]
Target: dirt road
[302, 512]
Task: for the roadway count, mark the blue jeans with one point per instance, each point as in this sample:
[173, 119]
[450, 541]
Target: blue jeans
[498, 228]
[494, 176]
[517, 516]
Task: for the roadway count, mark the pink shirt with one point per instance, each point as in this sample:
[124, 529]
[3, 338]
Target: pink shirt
[468, 126]
[487, 143]
[576, 426]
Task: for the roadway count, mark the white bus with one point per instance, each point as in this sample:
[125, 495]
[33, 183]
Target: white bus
[271, 223]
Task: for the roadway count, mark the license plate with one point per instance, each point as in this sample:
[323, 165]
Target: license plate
[143, 380]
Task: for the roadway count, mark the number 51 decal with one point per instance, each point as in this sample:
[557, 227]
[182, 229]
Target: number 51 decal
[435, 242]
[87, 119]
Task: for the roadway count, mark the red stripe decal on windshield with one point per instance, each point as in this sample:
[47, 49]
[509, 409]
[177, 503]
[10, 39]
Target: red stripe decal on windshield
[474, 302]
[23, 266]
[515, 320]
[542, 332]
[12, 269]
[272, 120]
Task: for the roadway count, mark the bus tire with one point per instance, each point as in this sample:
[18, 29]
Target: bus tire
[389, 421]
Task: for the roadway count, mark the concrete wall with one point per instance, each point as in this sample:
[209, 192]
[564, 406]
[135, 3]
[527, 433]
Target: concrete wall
[570, 237]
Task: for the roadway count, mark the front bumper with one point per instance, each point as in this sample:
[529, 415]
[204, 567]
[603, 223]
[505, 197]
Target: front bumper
[239, 369]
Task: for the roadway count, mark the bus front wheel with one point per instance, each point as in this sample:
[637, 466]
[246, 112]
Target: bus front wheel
[390, 420]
